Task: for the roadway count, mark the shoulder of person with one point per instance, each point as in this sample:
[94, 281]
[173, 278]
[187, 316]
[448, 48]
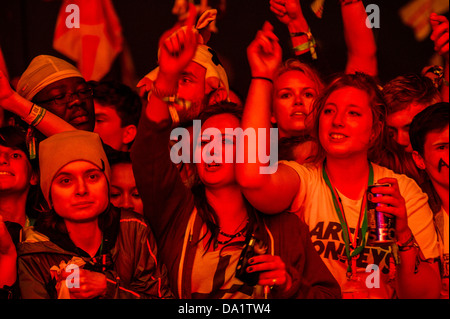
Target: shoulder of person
[127, 216]
[405, 183]
[285, 221]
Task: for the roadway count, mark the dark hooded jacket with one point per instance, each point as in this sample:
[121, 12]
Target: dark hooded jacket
[127, 257]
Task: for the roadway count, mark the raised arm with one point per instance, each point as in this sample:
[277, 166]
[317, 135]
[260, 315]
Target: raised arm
[361, 47]
[290, 13]
[176, 52]
[269, 193]
[439, 35]
[157, 178]
[10, 100]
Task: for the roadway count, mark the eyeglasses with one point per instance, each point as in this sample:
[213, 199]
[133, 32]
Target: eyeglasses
[64, 99]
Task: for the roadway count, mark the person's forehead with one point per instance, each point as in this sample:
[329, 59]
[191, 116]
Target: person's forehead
[64, 84]
[122, 174]
[294, 77]
[105, 109]
[221, 121]
[195, 69]
[405, 116]
[437, 136]
[78, 166]
[5, 149]
[349, 95]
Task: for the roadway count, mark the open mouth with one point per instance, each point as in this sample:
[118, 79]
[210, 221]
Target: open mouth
[298, 114]
[337, 136]
[213, 166]
[4, 173]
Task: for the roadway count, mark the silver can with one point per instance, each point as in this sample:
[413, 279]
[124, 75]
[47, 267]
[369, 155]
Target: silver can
[381, 226]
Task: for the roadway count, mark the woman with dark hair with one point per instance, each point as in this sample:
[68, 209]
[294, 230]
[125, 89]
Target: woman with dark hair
[19, 192]
[330, 195]
[124, 193]
[213, 242]
[202, 232]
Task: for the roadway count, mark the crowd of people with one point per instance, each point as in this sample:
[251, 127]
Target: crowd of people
[92, 204]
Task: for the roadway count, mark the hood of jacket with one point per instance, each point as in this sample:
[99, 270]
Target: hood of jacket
[35, 242]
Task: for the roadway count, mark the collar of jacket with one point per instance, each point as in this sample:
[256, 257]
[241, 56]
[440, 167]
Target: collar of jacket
[109, 222]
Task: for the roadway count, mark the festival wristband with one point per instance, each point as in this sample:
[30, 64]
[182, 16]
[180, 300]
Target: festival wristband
[36, 115]
[410, 243]
[304, 47]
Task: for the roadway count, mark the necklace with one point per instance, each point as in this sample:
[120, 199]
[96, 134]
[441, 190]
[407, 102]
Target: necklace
[232, 236]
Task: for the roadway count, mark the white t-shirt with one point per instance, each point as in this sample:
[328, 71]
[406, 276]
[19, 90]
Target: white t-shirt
[314, 204]
[444, 254]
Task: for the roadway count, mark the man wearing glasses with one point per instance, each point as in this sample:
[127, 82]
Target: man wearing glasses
[59, 87]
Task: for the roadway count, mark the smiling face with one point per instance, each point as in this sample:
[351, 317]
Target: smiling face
[345, 123]
[215, 174]
[15, 171]
[294, 94]
[79, 192]
[77, 112]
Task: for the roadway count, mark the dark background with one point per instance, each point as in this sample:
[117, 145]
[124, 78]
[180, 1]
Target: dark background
[27, 26]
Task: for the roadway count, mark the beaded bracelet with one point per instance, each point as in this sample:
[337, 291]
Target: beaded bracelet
[410, 243]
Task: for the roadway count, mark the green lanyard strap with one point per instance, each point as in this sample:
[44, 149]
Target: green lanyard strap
[339, 208]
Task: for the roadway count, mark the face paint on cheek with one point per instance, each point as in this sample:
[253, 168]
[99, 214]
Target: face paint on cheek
[442, 164]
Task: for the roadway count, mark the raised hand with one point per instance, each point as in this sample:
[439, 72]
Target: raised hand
[5, 88]
[287, 11]
[440, 27]
[264, 53]
[178, 49]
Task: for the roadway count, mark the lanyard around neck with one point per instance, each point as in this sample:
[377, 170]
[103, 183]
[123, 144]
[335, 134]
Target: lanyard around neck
[351, 248]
